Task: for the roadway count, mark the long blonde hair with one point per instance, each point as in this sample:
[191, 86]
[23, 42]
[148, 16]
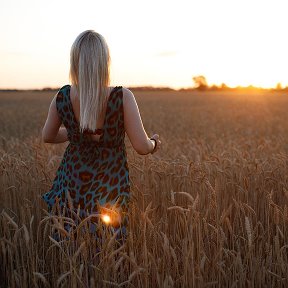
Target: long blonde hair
[90, 73]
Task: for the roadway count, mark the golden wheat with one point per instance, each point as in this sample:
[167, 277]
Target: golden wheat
[209, 209]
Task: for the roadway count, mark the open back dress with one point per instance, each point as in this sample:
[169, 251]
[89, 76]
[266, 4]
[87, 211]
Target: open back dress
[94, 173]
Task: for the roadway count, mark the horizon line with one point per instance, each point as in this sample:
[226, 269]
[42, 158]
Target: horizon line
[223, 86]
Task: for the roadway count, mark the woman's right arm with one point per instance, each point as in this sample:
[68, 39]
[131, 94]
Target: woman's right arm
[134, 126]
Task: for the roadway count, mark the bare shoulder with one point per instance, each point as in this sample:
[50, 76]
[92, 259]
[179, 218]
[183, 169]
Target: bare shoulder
[128, 95]
[54, 99]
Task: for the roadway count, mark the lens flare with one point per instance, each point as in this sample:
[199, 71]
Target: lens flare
[106, 219]
[110, 214]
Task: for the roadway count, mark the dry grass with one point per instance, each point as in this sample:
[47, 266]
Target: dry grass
[209, 210]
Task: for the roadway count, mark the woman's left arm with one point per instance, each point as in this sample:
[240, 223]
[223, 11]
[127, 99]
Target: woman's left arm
[52, 132]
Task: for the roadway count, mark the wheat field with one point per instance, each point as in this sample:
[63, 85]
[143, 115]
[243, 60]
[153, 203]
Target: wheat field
[210, 209]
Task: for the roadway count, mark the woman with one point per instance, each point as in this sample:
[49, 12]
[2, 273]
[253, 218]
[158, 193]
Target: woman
[93, 177]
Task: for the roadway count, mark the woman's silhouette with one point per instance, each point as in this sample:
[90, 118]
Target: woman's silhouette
[93, 177]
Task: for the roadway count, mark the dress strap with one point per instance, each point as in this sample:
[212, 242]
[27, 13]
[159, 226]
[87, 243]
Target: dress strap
[114, 119]
[62, 104]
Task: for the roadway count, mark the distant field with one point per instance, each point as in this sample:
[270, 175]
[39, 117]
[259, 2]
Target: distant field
[211, 117]
[218, 191]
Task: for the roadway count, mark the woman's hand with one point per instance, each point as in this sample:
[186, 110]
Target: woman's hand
[158, 143]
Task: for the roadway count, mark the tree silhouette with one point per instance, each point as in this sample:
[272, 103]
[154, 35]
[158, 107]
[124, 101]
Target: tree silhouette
[279, 86]
[200, 82]
[224, 86]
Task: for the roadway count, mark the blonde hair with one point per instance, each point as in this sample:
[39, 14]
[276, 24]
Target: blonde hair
[90, 73]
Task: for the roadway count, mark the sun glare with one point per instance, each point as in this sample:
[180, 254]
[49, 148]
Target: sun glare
[110, 215]
[106, 219]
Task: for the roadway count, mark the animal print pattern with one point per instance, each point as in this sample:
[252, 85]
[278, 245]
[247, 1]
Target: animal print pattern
[95, 174]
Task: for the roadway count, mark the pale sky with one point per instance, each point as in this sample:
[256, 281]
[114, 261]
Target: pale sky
[159, 43]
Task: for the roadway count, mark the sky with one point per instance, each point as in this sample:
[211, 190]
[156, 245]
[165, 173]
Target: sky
[152, 43]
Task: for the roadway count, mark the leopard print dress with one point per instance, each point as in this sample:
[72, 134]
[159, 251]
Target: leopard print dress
[95, 174]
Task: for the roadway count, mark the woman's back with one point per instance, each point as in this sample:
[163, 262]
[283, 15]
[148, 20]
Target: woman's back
[93, 172]
[75, 102]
